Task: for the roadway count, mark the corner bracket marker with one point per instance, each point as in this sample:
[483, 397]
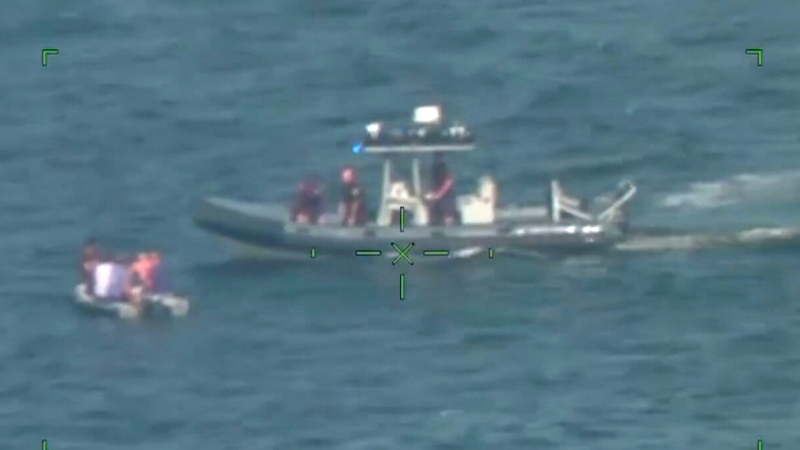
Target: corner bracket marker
[47, 52]
[759, 52]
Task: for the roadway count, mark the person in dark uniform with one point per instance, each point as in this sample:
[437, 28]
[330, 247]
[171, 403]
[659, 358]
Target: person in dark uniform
[309, 203]
[352, 206]
[442, 199]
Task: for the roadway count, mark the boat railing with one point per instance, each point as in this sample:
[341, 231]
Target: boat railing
[561, 203]
[564, 205]
[613, 211]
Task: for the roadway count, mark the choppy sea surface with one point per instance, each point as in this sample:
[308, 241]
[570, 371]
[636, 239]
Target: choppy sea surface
[151, 105]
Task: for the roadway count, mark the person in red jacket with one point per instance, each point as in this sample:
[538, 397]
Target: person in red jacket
[309, 203]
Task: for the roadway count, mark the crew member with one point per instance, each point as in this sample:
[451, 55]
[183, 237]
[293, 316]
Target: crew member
[352, 207]
[443, 197]
[308, 204]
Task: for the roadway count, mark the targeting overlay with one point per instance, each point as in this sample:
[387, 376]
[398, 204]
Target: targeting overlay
[758, 52]
[402, 253]
[47, 52]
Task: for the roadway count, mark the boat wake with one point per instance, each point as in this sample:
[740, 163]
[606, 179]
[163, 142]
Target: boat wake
[664, 240]
[749, 196]
[771, 188]
[646, 240]
[469, 252]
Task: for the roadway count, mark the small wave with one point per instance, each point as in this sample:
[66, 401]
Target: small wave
[772, 188]
[695, 241]
[769, 234]
[656, 243]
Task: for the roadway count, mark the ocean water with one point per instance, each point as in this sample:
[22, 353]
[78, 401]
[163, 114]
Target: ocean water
[151, 105]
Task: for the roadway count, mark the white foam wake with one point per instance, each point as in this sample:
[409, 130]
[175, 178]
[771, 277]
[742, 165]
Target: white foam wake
[743, 188]
[695, 241]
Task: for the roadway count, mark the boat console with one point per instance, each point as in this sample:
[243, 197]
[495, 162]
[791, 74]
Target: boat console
[479, 208]
[399, 196]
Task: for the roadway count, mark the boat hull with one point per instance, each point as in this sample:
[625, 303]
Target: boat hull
[154, 305]
[267, 227]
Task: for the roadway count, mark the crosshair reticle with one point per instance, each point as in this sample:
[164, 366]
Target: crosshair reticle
[403, 253]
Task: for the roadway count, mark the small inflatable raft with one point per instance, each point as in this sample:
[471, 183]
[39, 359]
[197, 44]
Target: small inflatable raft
[154, 304]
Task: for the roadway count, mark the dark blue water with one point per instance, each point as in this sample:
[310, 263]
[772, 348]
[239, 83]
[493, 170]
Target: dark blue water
[151, 105]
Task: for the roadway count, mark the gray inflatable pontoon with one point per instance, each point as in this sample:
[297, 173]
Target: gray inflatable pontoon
[154, 304]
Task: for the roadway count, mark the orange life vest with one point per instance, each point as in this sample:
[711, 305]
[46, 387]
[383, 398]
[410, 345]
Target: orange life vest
[143, 268]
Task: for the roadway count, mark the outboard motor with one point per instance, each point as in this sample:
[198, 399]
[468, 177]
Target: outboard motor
[621, 220]
[621, 216]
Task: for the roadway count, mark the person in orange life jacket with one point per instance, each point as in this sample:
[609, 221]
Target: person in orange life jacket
[443, 198]
[308, 204]
[140, 278]
[352, 206]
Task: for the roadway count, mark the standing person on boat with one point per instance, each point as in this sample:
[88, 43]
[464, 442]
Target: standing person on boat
[309, 205]
[352, 206]
[91, 256]
[109, 280]
[443, 198]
